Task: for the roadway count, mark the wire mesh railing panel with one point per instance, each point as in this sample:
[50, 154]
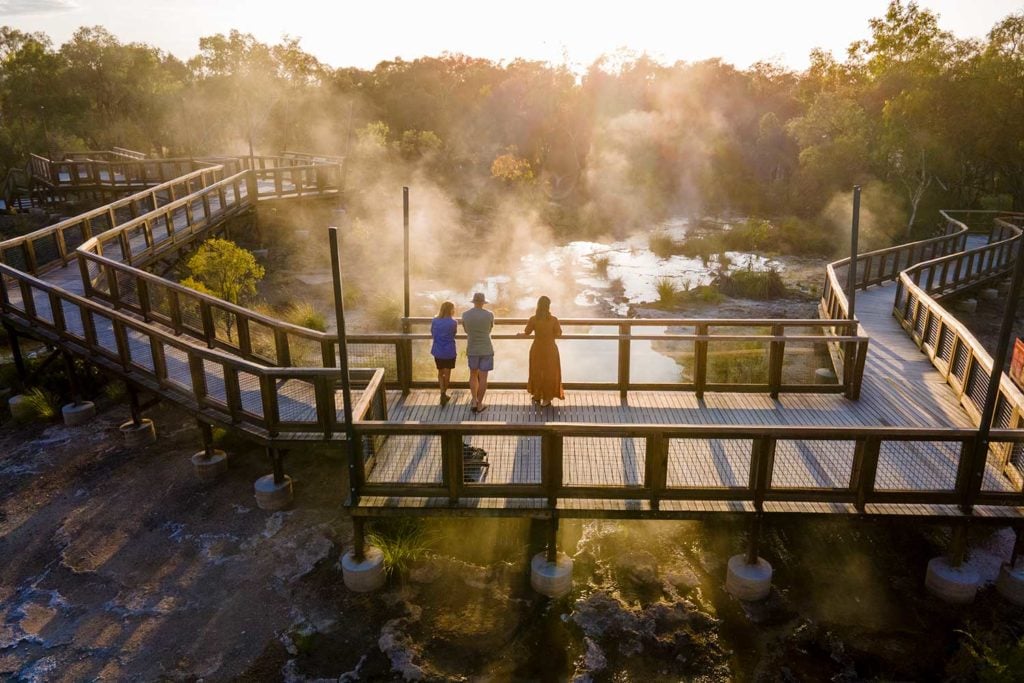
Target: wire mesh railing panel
[593, 461]
[179, 216]
[159, 301]
[250, 394]
[408, 460]
[106, 342]
[737, 362]
[191, 314]
[213, 374]
[1001, 456]
[296, 401]
[305, 352]
[653, 361]
[74, 236]
[801, 360]
[73, 319]
[917, 466]
[261, 337]
[136, 239]
[505, 459]
[127, 287]
[140, 351]
[178, 373]
[368, 355]
[817, 464]
[708, 463]
[46, 250]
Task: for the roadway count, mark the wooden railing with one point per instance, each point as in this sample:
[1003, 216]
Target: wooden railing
[53, 246]
[858, 469]
[294, 175]
[718, 355]
[958, 356]
[270, 404]
[885, 265]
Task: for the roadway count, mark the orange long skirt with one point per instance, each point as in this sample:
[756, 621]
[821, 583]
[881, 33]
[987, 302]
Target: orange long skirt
[545, 381]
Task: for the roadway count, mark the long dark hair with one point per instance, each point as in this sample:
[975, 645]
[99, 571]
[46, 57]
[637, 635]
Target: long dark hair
[543, 308]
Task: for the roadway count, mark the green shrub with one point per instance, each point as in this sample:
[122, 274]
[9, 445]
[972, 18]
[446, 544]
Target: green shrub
[115, 390]
[304, 314]
[662, 245]
[751, 284]
[668, 291]
[39, 404]
[386, 313]
[403, 542]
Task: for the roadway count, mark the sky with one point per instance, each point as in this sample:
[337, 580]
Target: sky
[342, 33]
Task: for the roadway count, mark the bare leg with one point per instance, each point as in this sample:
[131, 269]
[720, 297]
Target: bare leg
[474, 384]
[481, 388]
[444, 378]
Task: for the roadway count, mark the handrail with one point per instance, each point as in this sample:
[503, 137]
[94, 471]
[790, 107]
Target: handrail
[227, 397]
[91, 222]
[954, 351]
[855, 483]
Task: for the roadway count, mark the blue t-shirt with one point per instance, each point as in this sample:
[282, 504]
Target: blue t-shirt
[443, 332]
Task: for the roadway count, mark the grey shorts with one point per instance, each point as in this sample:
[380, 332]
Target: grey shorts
[482, 363]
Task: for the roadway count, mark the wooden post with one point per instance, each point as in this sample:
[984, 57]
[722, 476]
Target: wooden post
[76, 389]
[552, 540]
[625, 329]
[700, 365]
[405, 253]
[358, 539]
[958, 545]
[355, 459]
[551, 466]
[776, 353]
[656, 468]
[851, 273]
[451, 459]
[277, 460]
[206, 431]
[16, 354]
[865, 466]
[754, 537]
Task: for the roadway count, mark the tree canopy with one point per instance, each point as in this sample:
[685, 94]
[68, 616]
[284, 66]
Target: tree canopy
[933, 118]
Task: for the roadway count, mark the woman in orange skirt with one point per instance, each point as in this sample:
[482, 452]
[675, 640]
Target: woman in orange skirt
[545, 381]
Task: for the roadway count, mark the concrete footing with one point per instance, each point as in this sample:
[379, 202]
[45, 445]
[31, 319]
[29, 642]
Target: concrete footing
[553, 579]
[138, 434]
[209, 467]
[21, 409]
[824, 376]
[988, 294]
[78, 413]
[955, 585]
[1010, 584]
[365, 576]
[1004, 288]
[967, 305]
[271, 496]
[748, 581]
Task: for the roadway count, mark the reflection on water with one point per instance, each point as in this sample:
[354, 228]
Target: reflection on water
[586, 279]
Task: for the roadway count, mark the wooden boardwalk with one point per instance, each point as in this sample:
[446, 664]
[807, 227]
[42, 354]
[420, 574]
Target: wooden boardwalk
[707, 446]
[901, 390]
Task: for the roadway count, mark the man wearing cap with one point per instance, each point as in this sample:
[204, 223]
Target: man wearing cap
[478, 323]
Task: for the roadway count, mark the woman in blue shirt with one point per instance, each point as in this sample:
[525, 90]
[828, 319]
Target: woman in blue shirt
[442, 330]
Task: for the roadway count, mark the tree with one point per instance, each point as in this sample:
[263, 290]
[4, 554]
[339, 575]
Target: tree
[223, 269]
